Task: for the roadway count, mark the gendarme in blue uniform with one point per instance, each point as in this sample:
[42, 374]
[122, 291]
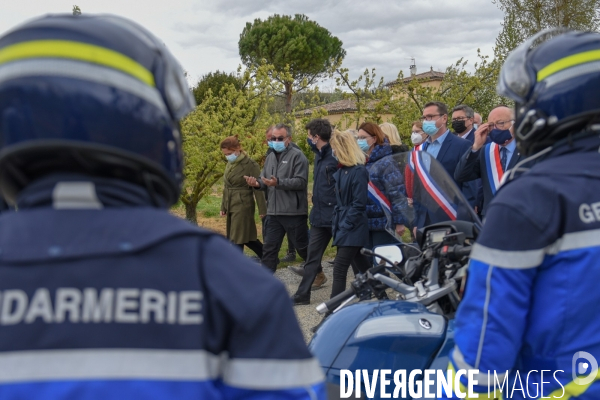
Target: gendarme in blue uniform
[104, 297]
[532, 295]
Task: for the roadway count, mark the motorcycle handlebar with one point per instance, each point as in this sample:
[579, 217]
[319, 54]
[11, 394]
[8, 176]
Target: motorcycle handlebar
[335, 302]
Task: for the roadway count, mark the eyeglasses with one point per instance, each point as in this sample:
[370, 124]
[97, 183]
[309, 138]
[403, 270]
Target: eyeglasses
[499, 124]
[460, 119]
[430, 117]
[278, 138]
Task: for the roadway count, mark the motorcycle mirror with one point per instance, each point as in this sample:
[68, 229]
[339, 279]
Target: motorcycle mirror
[391, 252]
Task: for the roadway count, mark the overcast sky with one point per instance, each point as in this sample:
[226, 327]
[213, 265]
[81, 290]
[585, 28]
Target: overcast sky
[381, 34]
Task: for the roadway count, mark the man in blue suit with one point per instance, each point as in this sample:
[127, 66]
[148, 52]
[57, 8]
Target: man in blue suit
[441, 144]
[483, 161]
[446, 148]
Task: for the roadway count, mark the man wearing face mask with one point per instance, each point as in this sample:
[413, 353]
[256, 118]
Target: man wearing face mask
[291, 252]
[285, 178]
[321, 214]
[463, 124]
[441, 144]
[490, 161]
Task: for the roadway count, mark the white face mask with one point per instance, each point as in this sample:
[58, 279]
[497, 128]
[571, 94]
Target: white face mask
[416, 138]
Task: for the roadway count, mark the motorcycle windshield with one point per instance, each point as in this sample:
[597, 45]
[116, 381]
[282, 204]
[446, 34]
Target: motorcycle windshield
[413, 189]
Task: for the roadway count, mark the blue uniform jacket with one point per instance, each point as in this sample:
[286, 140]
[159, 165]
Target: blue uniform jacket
[385, 174]
[531, 303]
[323, 196]
[350, 227]
[129, 302]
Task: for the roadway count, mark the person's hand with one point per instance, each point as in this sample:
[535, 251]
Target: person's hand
[223, 213]
[251, 181]
[410, 201]
[400, 229]
[415, 231]
[270, 182]
[476, 210]
[480, 136]
[262, 216]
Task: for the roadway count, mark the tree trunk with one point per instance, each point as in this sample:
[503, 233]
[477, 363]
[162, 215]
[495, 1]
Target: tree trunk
[191, 213]
[288, 97]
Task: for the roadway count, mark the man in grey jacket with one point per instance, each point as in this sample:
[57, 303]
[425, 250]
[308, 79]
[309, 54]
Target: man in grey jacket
[285, 178]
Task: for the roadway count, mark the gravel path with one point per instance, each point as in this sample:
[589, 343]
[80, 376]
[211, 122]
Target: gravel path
[308, 315]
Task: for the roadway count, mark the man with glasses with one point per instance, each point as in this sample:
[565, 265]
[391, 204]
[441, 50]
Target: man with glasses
[489, 161]
[463, 123]
[291, 251]
[285, 178]
[442, 145]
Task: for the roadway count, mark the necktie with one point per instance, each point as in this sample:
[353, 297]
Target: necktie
[503, 152]
[425, 145]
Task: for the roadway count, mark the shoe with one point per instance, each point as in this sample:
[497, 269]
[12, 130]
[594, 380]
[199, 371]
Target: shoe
[299, 300]
[320, 280]
[289, 257]
[297, 270]
[330, 262]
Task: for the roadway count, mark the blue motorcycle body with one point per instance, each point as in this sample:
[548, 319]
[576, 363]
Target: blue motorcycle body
[378, 335]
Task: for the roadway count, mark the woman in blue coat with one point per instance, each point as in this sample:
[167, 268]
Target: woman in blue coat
[350, 223]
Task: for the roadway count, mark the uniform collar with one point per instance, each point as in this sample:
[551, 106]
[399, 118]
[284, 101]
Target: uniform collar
[78, 191]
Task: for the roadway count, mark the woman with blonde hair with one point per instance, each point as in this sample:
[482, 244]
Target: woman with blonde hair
[238, 198]
[391, 133]
[350, 223]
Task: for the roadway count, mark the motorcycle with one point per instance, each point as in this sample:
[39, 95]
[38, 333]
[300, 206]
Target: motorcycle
[414, 331]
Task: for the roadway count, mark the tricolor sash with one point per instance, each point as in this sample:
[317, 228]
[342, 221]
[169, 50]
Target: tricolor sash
[493, 166]
[379, 198]
[438, 195]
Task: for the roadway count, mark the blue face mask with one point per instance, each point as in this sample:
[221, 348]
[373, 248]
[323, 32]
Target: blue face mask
[311, 144]
[429, 127]
[364, 146]
[279, 146]
[500, 136]
[231, 157]
[270, 144]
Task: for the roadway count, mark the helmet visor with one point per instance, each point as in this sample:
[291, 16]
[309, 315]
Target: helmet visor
[516, 80]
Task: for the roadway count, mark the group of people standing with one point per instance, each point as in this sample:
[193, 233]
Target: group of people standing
[342, 210]
[353, 171]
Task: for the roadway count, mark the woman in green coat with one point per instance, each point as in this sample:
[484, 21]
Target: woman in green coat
[238, 198]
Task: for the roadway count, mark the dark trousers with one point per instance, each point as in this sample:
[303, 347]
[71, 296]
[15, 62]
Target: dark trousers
[276, 227]
[256, 246]
[291, 248]
[319, 240]
[343, 258]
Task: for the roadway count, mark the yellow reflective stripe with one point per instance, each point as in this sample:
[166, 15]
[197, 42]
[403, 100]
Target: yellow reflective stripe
[572, 389]
[568, 62]
[496, 395]
[76, 51]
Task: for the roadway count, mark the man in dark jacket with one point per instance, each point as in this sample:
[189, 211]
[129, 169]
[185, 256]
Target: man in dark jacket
[103, 293]
[463, 124]
[490, 160]
[285, 178]
[323, 198]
